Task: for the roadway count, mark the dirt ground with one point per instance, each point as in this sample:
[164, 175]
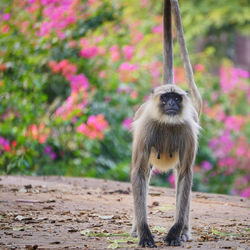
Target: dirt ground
[79, 213]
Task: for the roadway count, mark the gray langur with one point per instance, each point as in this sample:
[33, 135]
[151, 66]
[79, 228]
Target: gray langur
[165, 135]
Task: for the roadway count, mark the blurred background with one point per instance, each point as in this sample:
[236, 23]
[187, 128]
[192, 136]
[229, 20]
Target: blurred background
[73, 72]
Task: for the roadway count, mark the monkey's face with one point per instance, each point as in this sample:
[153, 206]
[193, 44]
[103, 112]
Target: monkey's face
[170, 103]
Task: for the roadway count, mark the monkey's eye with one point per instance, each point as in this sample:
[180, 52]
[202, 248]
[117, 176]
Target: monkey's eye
[178, 98]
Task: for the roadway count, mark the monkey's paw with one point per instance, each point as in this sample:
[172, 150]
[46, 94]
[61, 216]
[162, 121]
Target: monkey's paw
[133, 234]
[172, 241]
[186, 237]
[147, 240]
[173, 237]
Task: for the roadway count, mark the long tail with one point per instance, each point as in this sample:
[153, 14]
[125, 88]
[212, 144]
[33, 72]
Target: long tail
[196, 98]
[168, 71]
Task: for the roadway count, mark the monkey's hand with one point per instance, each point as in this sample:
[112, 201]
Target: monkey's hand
[173, 237]
[146, 238]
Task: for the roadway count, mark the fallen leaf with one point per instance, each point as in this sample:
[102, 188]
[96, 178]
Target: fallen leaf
[166, 208]
[55, 242]
[114, 245]
[154, 193]
[29, 186]
[108, 217]
[18, 228]
[21, 218]
[159, 229]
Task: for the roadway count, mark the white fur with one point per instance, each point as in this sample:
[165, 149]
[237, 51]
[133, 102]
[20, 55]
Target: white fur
[151, 110]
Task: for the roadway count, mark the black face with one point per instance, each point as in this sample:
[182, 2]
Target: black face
[171, 103]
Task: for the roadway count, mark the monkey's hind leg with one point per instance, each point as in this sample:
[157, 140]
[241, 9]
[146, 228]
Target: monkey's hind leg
[140, 178]
[180, 230]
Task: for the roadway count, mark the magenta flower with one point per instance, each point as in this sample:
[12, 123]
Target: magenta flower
[79, 82]
[206, 165]
[245, 192]
[126, 66]
[89, 52]
[171, 180]
[232, 77]
[6, 16]
[47, 150]
[234, 123]
[127, 123]
[53, 155]
[128, 52]
[158, 29]
[115, 54]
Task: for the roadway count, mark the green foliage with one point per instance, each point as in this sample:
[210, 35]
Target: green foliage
[73, 73]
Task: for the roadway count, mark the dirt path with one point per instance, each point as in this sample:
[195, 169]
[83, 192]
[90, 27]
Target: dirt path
[77, 213]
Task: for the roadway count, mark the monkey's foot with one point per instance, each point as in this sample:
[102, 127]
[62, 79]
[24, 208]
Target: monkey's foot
[146, 239]
[172, 241]
[133, 234]
[173, 237]
[185, 236]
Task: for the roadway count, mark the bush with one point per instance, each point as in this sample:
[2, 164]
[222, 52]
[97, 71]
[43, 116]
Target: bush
[72, 73]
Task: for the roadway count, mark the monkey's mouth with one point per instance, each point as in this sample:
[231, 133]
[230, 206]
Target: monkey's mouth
[171, 112]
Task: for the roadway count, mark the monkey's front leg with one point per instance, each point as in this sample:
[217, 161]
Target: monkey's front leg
[180, 230]
[139, 179]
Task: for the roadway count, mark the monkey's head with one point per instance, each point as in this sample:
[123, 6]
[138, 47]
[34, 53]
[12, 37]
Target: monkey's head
[171, 104]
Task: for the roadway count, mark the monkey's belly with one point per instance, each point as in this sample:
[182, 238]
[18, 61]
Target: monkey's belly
[165, 162]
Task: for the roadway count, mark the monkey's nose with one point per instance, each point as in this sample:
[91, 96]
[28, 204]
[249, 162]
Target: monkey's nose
[171, 103]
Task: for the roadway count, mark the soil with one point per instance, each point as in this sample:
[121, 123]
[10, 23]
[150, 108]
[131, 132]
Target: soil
[80, 213]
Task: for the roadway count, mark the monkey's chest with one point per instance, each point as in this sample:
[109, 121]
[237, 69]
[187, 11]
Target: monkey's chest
[164, 161]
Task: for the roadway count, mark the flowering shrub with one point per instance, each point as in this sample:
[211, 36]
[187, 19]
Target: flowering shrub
[72, 74]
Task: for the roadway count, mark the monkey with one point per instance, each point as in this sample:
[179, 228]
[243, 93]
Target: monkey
[165, 133]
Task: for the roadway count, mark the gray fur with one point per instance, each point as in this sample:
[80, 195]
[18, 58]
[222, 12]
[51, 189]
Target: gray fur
[166, 139]
[169, 136]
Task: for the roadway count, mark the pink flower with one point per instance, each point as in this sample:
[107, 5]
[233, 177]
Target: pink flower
[79, 82]
[171, 180]
[144, 3]
[24, 26]
[94, 127]
[137, 37]
[128, 52]
[6, 16]
[102, 74]
[206, 165]
[45, 28]
[115, 54]
[89, 52]
[4, 144]
[245, 192]
[199, 68]
[107, 99]
[234, 123]
[134, 94]
[127, 123]
[229, 163]
[5, 29]
[82, 128]
[126, 66]
[158, 29]
[230, 78]
[226, 141]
